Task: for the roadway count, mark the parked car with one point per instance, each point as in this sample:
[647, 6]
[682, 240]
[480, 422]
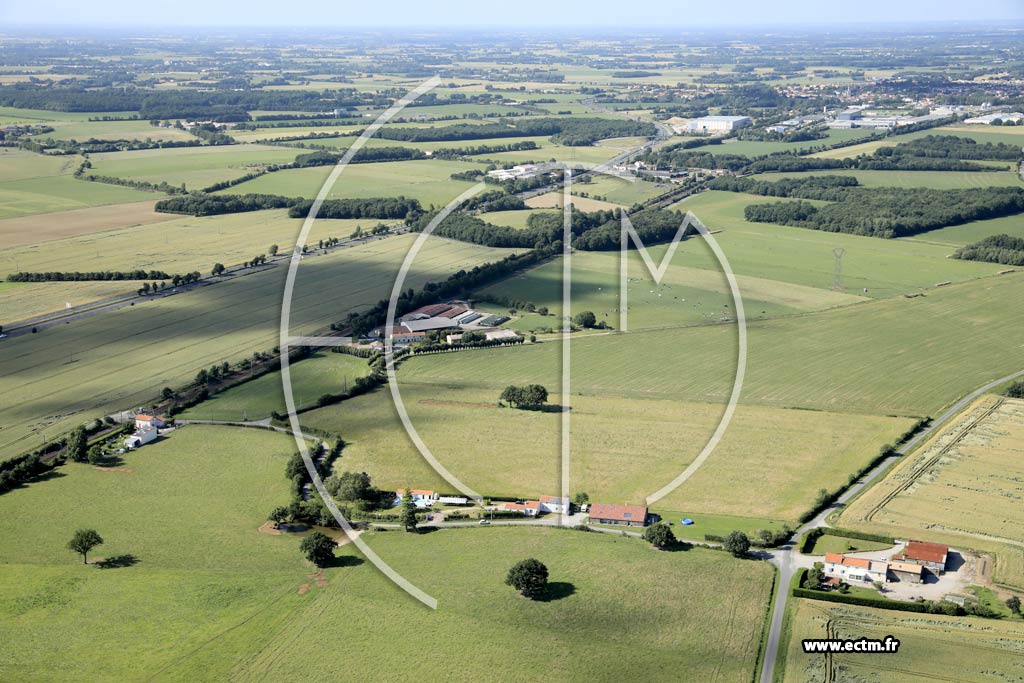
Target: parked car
[484, 522]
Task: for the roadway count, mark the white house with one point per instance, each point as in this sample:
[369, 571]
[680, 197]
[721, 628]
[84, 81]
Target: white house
[143, 420]
[141, 437]
[530, 508]
[420, 497]
[856, 568]
[555, 504]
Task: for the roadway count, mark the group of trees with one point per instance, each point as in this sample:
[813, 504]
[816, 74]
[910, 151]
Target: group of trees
[530, 396]
[98, 275]
[362, 156]
[875, 211]
[395, 208]
[564, 131]
[1002, 249]
[204, 204]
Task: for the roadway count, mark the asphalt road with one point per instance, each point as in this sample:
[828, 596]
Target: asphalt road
[789, 561]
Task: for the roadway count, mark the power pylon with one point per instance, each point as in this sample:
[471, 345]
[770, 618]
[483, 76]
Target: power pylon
[837, 271]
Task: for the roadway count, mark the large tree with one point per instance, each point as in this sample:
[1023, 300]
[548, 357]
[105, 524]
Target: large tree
[737, 543]
[407, 516]
[659, 535]
[529, 577]
[353, 486]
[318, 548]
[83, 541]
[78, 446]
[585, 319]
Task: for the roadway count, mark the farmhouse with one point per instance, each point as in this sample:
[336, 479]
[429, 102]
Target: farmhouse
[141, 437]
[530, 508]
[420, 497]
[931, 556]
[626, 515]
[856, 568]
[142, 420]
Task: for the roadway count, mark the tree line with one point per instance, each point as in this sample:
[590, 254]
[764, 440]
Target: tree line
[205, 204]
[1002, 249]
[96, 275]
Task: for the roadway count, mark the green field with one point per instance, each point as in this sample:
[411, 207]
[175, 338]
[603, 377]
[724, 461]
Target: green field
[211, 597]
[514, 219]
[686, 295]
[323, 373]
[425, 180]
[20, 301]
[622, 447]
[898, 356]
[805, 257]
[758, 147]
[619, 191]
[196, 167]
[939, 180]
[932, 648]
[114, 130]
[32, 183]
[841, 544]
[1010, 136]
[974, 231]
[67, 374]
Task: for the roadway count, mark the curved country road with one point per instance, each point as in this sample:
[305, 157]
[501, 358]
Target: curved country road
[789, 561]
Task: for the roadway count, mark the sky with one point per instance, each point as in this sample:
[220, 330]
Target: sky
[537, 14]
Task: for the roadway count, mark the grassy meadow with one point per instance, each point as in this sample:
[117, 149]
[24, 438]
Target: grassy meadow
[209, 596]
[426, 180]
[24, 300]
[322, 373]
[622, 448]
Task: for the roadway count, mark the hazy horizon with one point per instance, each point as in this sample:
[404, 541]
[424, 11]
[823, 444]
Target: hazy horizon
[657, 15]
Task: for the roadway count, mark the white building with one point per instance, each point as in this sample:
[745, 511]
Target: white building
[988, 119]
[555, 504]
[142, 421]
[718, 124]
[141, 437]
[856, 568]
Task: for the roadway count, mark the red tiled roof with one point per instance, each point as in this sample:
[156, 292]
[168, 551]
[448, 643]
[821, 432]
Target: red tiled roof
[622, 513]
[926, 552]
[839, 558]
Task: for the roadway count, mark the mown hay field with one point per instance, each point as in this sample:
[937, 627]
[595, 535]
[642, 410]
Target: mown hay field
[125, 357]
[962, 487]
[932, 647]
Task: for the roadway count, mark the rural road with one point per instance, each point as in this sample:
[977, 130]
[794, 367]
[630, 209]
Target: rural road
[788, 560]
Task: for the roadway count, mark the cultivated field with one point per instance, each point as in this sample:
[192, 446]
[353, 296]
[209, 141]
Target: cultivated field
[557, 198]
[513, 219]
[32, 183]
[20, 301]
[178, 244]
[619, 191]
[939, 180]
[127, 356]
[758, 147]
[33, 230]
[114, 130]
[426, 180]
[932, 647]
[196, 167]
[961, 487]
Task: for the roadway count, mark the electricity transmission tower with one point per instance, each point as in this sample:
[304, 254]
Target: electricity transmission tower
[837, 271]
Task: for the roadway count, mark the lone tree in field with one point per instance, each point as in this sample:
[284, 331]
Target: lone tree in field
[318, 548]
[529, 577]
[585, 319]
[530, 396]
[83, 541]
[659, 535]
[737, 543]
[407, 517]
